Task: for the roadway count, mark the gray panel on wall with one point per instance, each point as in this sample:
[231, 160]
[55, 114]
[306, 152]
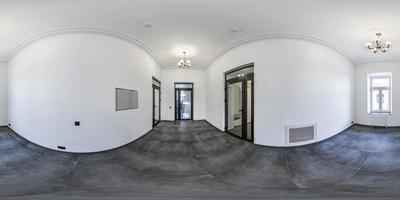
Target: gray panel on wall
[301, 134]
[126, 99]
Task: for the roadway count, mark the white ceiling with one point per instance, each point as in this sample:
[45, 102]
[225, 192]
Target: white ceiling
[204, 27]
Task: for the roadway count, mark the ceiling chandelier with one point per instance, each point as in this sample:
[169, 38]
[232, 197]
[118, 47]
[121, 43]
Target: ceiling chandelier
[377, 44]
[184, 63]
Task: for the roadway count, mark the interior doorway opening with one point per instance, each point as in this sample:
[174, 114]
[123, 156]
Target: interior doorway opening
[156, 101]
[183, 101]
[239, 102]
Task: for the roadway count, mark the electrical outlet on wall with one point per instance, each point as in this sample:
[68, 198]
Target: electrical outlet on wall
[61, 147]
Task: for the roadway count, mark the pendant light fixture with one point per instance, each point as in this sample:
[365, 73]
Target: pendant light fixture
[184, 63]
[377, 44]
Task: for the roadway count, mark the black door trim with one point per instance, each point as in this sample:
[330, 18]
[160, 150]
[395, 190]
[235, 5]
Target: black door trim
[239, 68]
[177, 107]
[243, 80]
[155, 122]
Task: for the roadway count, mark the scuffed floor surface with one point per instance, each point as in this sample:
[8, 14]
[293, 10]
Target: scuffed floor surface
[193, 160]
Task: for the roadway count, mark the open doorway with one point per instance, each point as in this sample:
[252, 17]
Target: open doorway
[183, 101]
[239, 102]
[156, 101]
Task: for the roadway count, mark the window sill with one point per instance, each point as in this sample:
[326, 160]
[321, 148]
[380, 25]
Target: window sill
[380, 113]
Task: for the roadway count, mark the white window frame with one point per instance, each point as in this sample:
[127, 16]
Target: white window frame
[371, 77]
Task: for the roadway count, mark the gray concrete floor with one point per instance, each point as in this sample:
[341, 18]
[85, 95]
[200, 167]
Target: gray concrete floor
[193, 160]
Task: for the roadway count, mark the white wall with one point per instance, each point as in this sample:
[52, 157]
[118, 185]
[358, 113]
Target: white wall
[296, 82]
[361, 114]
[3, 94]
[168, 79]
[72, 77]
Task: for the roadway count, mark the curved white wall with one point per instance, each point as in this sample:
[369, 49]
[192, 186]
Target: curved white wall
[361, 114]
[296, 82]
[72, 77]
[3, 94]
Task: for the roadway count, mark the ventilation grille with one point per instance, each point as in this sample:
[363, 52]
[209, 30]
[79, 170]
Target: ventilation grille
[301, 134]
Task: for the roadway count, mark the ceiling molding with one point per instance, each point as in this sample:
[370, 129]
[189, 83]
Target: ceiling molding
[148, 49]
[379, 62]
[117, 34]
[276, 36]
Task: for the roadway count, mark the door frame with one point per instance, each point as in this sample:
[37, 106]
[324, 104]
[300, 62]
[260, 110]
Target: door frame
[192, 99]
[243, 80]
[154, 101]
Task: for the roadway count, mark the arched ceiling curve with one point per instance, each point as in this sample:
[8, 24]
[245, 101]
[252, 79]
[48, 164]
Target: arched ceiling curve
[206, 28]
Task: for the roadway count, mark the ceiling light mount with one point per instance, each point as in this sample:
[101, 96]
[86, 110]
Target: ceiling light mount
[236, 30]
[145, 25]
[184, 63]
[378, 44]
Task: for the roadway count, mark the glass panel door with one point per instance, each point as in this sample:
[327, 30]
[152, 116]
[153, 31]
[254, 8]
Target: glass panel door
[156, 105]
[239, 99]
[185, 104]
[177, 104]
[156, 101]
[183, 101]
[235, 108]
[249, 109]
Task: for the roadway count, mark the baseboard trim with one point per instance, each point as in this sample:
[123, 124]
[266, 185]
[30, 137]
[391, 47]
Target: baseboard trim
[194, 120]
[212, 125]
[328, 138]
[78, 153]
[339, 132]
[375, 126]
[311, 143]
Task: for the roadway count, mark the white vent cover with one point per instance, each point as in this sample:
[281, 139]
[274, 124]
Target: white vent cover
[302, 134]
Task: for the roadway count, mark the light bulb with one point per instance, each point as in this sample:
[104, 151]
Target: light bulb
[368, 45]
[388, 44]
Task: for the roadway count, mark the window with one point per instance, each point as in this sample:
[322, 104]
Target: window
[183, 85]
[380, 93]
